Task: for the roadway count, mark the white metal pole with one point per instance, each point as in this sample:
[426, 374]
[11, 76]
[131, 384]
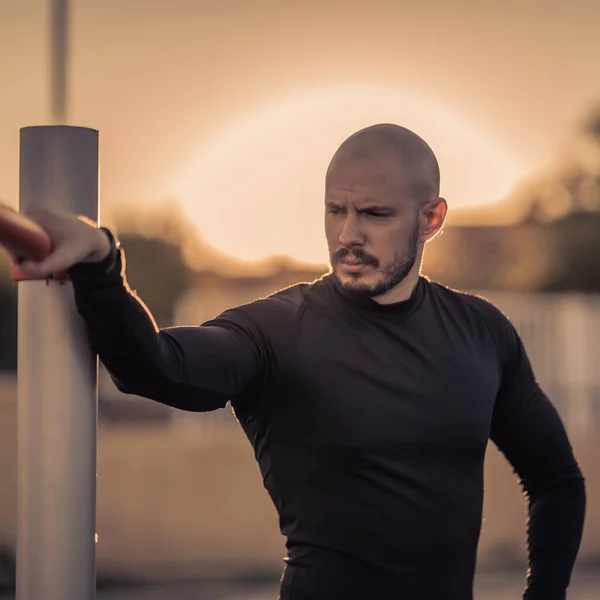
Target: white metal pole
[59, 58]
[57, 387]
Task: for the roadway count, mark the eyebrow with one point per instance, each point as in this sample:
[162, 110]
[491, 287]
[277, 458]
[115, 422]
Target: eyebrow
[378, 207]
[382, 208]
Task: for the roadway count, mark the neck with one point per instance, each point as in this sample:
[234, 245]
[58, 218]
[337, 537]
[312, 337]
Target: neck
[405, 289]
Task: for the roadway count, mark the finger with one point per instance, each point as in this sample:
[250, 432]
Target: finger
[60, 260]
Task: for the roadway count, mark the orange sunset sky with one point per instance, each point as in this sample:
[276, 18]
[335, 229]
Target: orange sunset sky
[235, 107]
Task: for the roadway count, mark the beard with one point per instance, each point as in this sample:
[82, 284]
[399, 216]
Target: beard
[389, 277]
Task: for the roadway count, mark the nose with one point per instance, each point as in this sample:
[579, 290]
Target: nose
[351, 234]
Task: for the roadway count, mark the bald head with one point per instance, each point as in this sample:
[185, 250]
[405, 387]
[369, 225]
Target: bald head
[416, 159]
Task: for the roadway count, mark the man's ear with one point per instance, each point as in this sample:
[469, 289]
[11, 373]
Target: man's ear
[433, 215]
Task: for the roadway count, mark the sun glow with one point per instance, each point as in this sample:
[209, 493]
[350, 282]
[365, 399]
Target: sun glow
[256, 189]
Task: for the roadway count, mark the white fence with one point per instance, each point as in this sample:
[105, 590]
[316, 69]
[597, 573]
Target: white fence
[561, 333]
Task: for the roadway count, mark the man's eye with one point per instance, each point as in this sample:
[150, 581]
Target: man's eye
[378, 215]
[334, 210]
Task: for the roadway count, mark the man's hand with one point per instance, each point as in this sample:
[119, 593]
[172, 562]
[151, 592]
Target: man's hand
[74, 240]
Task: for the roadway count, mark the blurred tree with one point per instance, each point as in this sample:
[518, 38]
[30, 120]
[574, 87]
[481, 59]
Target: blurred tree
[157, 272]
[576, 249]
[154, 241]
[591, 126]
[568, 208]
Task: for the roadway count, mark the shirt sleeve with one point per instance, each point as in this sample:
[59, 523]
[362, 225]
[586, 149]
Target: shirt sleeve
[529, 432]
[192, 368]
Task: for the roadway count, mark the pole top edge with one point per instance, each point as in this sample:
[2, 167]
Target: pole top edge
[56, 127]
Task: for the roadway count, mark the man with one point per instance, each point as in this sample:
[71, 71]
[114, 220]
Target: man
[369, 395]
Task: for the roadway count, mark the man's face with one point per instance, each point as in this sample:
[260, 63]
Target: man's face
[371, 225]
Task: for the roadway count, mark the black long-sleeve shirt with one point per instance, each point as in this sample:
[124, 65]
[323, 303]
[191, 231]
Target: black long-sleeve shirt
[369, 422]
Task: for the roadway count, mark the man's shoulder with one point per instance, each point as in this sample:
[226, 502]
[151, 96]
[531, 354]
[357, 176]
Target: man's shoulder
[278, 310]
[291, 300]
[475, 304]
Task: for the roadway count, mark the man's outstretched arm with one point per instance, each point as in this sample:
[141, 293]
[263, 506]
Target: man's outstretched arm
[192, 368]
[528, 430]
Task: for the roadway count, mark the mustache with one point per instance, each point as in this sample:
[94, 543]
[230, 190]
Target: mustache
[358, 253]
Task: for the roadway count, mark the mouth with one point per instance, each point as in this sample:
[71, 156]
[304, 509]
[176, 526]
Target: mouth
[353, 266]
